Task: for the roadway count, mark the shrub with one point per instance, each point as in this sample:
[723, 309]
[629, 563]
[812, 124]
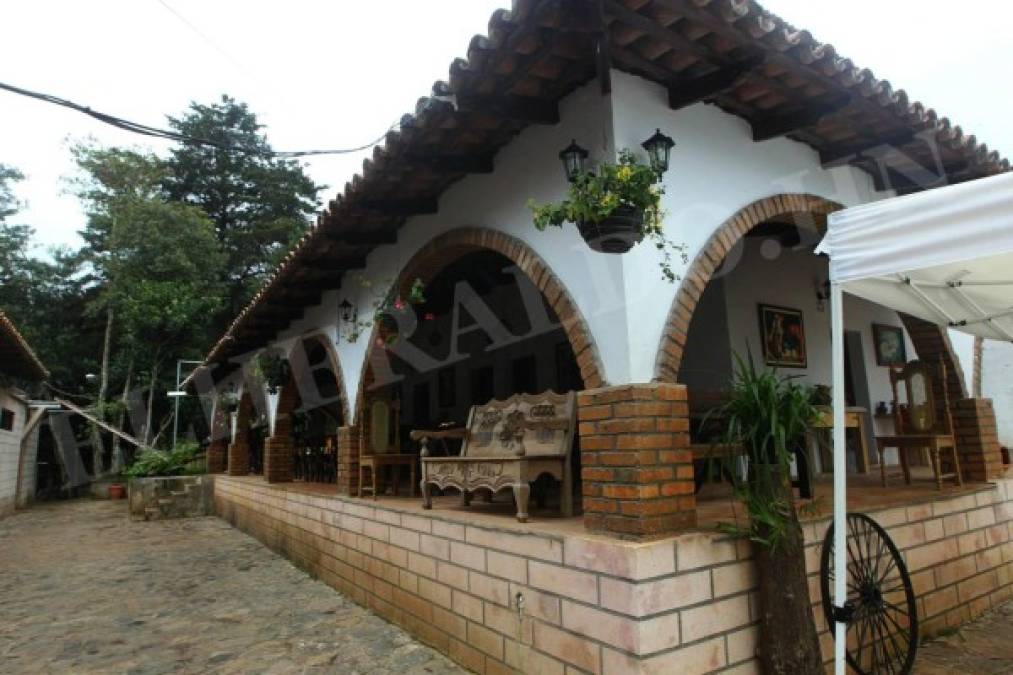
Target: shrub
[180, 461]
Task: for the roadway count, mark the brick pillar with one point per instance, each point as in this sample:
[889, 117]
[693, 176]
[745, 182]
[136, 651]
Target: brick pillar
[279, 446]
[977, 439]
[636, 466]
[239, 455]
[217, 452]
[348, 460]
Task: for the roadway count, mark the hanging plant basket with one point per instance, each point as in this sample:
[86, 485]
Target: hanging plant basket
[616, 233]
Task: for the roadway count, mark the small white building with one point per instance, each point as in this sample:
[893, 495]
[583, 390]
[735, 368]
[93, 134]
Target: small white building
[19, 366]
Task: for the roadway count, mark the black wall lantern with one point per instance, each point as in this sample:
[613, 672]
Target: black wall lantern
[347, 311]
[659, 150]
[573, 157]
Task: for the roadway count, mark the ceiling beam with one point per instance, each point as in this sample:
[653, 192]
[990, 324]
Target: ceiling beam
[397, 207]
[516, 108]
[774, 126]
[450, 163]
[690, 91]
[844, 153]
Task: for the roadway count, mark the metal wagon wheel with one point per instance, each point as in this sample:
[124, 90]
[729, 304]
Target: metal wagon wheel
[882, 618]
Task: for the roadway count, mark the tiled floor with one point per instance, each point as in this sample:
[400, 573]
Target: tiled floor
[714, 503]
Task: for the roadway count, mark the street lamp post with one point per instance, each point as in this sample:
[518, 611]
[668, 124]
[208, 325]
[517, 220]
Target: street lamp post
[177, 394]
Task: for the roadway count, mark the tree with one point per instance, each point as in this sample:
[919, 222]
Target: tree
[164, 271]
[259, 204]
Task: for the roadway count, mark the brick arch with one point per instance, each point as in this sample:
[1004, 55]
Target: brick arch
[449, 246]
[802, 209]
[931, 342]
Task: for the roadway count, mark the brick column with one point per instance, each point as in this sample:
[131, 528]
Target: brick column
[278, 447]
[217, 452]
[636, 466]
[239, 455]
[348, 460]
[977, 439]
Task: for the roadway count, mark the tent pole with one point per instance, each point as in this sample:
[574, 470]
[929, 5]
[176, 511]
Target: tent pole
[840, 471]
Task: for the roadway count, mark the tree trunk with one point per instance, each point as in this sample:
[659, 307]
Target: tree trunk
[789, 643]
[151, 400]
[97, 444]
[117, 460]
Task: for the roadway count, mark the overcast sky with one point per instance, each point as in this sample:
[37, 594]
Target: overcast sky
[336, 74]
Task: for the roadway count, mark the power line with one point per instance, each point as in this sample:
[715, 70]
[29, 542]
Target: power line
[167, 134]
[193, 27]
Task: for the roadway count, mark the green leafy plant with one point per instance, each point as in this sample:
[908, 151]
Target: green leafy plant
[385, 308]
[272, 368]
[768, 414]
[595, 195]
[228, 400]
[181, 461]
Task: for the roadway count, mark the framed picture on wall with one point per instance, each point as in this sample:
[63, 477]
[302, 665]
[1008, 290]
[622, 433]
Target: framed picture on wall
[782, 332]
[889, 341]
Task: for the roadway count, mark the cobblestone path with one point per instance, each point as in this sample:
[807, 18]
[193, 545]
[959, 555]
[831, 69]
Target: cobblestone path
[982, 647]
[85, 590]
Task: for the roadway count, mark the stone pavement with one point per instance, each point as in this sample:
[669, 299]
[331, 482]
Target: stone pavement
[85, 590]
[982, 647]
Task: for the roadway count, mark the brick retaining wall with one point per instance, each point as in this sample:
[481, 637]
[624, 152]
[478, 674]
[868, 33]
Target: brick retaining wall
[683, 604]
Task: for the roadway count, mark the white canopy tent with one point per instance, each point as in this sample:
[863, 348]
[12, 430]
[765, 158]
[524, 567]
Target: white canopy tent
[946, 256]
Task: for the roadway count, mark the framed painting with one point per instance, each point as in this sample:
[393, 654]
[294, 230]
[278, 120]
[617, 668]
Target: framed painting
[782, 332]
[889, 342]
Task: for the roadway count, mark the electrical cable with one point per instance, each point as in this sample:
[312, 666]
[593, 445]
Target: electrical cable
[155, 132]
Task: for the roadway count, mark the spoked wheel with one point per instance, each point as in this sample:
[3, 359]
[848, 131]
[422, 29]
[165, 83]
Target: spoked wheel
[882, 630]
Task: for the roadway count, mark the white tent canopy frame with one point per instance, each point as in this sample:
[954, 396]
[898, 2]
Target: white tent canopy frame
[946, 256]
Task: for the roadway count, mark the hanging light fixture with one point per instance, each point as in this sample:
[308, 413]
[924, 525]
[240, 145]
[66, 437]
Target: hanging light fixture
[573, 157]
[659, 150]
[347, 310]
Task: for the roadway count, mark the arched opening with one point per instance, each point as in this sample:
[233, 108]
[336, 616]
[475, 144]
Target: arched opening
[486, 330]
[315, 404]
[758, 290]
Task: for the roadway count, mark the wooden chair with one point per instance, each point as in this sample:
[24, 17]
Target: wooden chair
[507, 445]
[923, 426]
[378, 447]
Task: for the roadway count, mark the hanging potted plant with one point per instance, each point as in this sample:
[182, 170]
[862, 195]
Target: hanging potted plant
[271, 368]
[228, 400]
[385, 316]
[769, 415]
[614, 207]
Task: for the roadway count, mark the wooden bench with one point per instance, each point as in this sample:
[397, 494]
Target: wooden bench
[506, 444]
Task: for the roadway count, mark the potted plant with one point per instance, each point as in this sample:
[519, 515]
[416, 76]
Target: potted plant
[614, 208]
[271, 368]
[769, 415]
[229, 400]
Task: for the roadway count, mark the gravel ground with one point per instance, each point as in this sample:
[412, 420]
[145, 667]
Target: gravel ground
[85, 590]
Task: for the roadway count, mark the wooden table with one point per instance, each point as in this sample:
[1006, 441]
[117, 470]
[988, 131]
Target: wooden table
[854, 418]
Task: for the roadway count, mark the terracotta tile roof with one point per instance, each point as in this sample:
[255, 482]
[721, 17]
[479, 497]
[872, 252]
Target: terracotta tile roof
[731, 53]
[16, 357]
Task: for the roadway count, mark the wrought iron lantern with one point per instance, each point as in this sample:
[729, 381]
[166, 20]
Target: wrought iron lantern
[347, 310]
[659, 151]
[573, 157]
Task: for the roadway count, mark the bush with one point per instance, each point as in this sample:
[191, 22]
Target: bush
[180, 461]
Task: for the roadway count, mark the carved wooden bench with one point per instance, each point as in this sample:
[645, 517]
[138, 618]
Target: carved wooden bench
[506, 444]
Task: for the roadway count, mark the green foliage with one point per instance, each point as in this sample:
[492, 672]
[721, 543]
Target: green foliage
[271, 368]
[259, 205]
[595, 195]
[181, 461]
[163, 270]
[769, 415]
[8, 202]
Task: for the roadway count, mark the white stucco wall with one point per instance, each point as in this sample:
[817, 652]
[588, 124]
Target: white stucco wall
[789, 281]
[997, 384]
[10, 451]
[717, 169]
